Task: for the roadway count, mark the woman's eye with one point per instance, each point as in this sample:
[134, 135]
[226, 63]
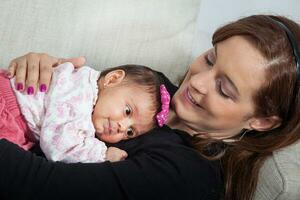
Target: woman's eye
[210, 59]
[130, 132]
[220, 91]
[208, 62]
[127, 110]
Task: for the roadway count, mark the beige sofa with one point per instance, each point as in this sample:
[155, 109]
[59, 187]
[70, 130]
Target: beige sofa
[162, 34]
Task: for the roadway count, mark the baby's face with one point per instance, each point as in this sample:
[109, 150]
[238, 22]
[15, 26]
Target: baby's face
[122, 112]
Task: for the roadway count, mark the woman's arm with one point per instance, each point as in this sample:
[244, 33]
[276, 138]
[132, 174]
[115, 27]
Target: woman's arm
[24, 175]
[159, 166]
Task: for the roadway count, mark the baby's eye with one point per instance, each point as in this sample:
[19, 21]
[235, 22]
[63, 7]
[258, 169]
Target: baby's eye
[130, 132]
[127, 110]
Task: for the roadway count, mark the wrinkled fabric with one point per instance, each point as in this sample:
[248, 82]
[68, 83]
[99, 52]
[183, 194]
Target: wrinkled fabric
[12, 124]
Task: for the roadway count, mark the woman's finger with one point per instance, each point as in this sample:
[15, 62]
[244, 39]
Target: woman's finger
[32, 73]
[46, 65]
[12, 69]
[21, 69]
[77, 62]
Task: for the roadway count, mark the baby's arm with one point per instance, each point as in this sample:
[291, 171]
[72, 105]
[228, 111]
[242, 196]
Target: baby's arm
[114, 154]
[63, 142]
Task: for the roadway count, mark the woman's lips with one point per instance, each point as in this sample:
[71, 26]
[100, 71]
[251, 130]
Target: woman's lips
[190, 98]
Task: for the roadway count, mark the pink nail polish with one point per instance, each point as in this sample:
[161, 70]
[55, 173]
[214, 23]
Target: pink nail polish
[43, 88]
[30, 90]
[19, 86]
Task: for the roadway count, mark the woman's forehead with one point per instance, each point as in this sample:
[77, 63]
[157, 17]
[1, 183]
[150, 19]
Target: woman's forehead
[241, 62]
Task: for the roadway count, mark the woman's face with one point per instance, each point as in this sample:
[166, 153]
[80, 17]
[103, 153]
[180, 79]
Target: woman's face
[215, 98]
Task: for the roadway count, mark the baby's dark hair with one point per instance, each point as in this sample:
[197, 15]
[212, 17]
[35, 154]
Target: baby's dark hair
[144, 77]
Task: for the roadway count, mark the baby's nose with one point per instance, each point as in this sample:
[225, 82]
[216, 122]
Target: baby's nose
[121, 127]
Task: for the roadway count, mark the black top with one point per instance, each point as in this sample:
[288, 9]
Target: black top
[161, 165]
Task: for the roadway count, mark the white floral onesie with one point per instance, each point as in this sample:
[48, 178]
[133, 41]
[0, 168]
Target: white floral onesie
[61, 119]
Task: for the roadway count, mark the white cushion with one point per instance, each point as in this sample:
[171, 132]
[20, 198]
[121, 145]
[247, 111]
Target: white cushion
[157, 33]
[280, 175]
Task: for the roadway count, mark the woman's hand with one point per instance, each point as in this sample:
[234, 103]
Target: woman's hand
[34, 70]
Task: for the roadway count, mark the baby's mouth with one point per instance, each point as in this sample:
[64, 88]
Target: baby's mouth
[109, 127]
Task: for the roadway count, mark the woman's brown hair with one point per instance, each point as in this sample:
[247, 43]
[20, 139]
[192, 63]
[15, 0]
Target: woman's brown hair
[279, 96]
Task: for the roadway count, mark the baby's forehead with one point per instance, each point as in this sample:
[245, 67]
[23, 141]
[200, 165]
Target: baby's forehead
[145, 104]
[147, 94]
[145, 113]
[145, 116]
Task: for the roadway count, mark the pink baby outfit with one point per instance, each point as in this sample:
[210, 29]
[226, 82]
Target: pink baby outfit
[61, 119]
[12, 124]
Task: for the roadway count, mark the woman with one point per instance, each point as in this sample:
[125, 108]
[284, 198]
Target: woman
[238, 102]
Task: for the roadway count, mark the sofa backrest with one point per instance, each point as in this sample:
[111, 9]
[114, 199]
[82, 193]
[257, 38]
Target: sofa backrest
[279, 177]
[156, 33]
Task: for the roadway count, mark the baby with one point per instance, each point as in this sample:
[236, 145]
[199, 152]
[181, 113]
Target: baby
[80, 105]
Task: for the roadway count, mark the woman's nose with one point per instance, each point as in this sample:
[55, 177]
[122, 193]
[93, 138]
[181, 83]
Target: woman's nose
[201, 81]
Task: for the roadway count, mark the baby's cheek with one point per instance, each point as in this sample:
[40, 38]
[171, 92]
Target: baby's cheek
[98, 126]
[98, 135]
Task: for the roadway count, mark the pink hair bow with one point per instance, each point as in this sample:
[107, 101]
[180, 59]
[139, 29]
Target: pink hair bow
[162, 116]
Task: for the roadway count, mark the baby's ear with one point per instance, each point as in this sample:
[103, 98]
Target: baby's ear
[114, 78]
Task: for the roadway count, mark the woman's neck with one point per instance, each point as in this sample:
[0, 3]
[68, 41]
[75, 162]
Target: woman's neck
[173, 120]
[175, 123]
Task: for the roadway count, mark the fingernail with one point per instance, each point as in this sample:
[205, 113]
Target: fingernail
[30, 90]
[19, 86]
[8, 74]
[43, 88]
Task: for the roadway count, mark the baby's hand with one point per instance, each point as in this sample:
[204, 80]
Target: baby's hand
[114, 154]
